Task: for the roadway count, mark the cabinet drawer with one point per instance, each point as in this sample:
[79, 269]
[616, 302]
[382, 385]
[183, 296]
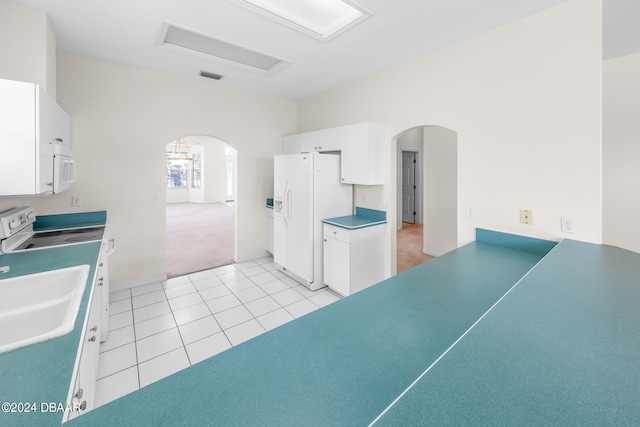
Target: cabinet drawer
[337, 233]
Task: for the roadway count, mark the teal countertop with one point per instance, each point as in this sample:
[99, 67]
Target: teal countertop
[562, 349]
[363, 218]
[506, 330]
[41, 373]
[340, 365]
[81, 219]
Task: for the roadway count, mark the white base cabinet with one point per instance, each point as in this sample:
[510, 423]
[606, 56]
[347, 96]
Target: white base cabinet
[353, 258]
[83, 382]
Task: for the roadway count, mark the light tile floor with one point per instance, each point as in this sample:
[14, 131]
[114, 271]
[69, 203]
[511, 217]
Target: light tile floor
[158, 329]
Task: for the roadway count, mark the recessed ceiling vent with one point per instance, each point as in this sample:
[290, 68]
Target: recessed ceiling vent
[209, 75]
[219, 50]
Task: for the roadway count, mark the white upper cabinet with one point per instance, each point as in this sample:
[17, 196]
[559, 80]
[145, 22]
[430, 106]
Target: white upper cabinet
[361, 146]
[330, 139]
[363, 154]
[31, 123]
[300, 143]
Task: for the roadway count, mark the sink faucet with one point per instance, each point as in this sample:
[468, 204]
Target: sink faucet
[4, 269]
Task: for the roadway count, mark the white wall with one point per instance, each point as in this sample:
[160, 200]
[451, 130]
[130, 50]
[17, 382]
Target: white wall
[27, 46]
[440, 190]
[525, 101]
[214, 173]
[122, 119]
[621, 152]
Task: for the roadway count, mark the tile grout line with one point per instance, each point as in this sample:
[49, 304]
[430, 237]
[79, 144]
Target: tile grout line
[173, 316]
[241, 276]
[135, 342]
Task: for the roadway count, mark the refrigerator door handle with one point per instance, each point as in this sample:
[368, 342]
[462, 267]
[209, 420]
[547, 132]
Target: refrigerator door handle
[289, 205]
[286, 205]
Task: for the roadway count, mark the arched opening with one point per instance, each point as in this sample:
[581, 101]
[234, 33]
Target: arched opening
[200, 204]
[426, 205]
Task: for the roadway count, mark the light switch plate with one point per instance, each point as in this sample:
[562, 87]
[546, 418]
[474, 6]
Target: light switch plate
[526, 216]
[470, 212]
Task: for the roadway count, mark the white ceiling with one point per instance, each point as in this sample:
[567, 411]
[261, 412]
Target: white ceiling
[129, 31]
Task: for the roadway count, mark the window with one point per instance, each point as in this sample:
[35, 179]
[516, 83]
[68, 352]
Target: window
[176, 173]
[196, 171]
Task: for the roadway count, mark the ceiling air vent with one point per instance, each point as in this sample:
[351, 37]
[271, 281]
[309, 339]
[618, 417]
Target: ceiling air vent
[209, 75]
[219, 49]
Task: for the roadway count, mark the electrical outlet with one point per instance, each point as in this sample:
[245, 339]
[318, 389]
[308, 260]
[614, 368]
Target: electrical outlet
[568, 224]
[526, 216]
[76, 201]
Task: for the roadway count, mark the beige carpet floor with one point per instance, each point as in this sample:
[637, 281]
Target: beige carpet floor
[199, 236]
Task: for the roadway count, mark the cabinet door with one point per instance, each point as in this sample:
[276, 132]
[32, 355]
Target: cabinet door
[329, 140]
[47, 129]
[355, 155]
[363, 154]
[84, 386]
[300, 143]
[17, 136]
[62, 134]
[336, 265]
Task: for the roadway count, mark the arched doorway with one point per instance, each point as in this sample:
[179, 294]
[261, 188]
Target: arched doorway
[200, 204]
[426, 205]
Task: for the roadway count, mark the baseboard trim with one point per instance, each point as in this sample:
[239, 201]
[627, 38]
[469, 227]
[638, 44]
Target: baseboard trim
[432, 253]
[252, 256]
[141, 282]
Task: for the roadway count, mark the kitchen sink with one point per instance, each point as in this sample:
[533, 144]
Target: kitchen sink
[38, 307]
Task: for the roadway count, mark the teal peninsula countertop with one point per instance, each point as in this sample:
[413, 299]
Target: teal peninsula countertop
[363, 218]
[506, 330]
[40, 374]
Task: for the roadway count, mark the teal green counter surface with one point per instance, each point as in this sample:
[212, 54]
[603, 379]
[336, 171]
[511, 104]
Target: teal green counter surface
[41, 373]
[363, 218]
[340, 365]
[80, 219]
[561, 349]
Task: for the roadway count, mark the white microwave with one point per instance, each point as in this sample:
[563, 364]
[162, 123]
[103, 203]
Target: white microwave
[64, 169]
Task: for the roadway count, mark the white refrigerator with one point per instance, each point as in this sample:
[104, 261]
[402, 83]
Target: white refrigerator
[307, 189]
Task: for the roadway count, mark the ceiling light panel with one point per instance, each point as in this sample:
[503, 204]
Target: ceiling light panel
[322, 19]
[219, 49]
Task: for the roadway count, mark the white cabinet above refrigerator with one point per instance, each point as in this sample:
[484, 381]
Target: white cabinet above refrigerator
[361, 146]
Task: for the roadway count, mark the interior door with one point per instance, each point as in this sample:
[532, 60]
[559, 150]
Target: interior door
[409, 186]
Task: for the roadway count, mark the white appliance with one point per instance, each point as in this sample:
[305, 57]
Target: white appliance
[64, 168]
[307, 189]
